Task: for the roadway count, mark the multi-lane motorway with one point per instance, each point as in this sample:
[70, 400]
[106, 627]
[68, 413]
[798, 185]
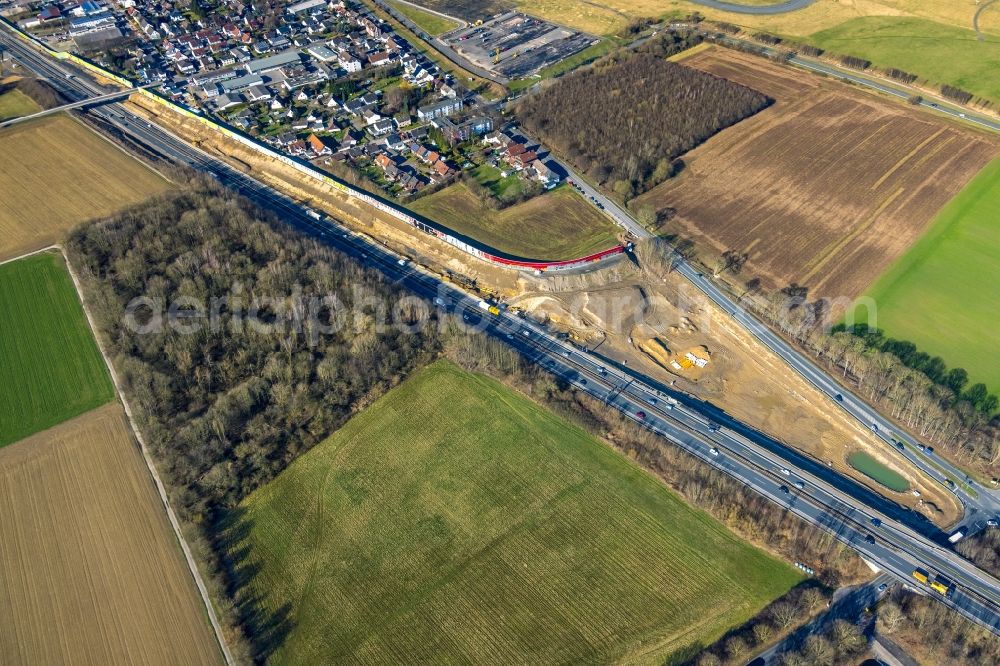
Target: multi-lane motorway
[816, 494]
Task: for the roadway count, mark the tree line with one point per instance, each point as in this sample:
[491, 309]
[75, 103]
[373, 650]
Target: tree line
[919, 392]
[933, 367]
[983, 550]
[959, 421]
[934, 633]
[747, 513]
[41, 92]
[625, 119]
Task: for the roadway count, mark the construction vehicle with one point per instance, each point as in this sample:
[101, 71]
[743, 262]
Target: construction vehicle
[942, 586]
[492, 309]
[921, 575]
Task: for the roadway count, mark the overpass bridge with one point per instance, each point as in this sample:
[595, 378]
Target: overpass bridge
[90, 101]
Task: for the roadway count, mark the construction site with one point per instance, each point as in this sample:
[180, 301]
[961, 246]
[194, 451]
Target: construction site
[659, 325]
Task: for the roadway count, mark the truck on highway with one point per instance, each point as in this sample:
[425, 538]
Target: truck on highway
[492, 309]
[921, 575]
[942, 586]
[956, 536]
[316, 215]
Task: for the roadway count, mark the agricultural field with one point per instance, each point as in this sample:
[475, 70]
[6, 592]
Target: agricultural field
[433, 24]
[14, 103]
[951, 275]
[90, 571]
[826, 188]
[610, 16]
[937, 52]
[52, 368]
[554, 225]
[941, 45]
[82, 176]
[457, 521]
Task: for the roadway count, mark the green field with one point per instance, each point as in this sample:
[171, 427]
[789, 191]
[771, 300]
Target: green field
[51, 368]
[933, 51]
[942, 294]
[14, 103]
[555, 225]
[490, 176]
[432, 24]
[456, 521]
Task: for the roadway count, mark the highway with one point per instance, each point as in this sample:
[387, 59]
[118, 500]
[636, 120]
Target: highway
[90, 101]
[824, 499]
[981, 503]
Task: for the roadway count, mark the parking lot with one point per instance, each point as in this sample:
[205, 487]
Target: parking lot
[515, 45]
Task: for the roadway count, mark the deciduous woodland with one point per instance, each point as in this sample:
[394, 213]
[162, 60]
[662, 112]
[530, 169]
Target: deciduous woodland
[624, 120]
[226, 408]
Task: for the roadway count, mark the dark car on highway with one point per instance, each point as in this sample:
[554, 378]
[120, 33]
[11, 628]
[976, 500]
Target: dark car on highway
[641, 416]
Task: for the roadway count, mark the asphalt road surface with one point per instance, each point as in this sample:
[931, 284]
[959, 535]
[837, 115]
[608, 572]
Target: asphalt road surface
[779, 8]
[820, 497]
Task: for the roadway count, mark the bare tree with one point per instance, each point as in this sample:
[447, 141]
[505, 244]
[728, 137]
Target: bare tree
[762, 632]
[736, 648]
[783, 614]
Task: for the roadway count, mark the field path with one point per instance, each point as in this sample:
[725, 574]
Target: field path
[161, 491]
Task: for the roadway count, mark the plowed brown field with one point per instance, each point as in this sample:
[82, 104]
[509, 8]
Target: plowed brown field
[90, 571]
[826, 188]
[56, 173]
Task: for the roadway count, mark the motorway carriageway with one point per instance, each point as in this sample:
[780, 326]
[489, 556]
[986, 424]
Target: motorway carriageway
[897, 549]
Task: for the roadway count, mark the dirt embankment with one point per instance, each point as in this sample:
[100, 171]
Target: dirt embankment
[423, 249]
[670, 332]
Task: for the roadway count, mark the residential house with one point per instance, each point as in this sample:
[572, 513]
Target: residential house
[382, 127]
[317, 146]
[445, 107]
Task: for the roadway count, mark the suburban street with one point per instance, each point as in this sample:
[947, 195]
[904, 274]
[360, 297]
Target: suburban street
[835, 504]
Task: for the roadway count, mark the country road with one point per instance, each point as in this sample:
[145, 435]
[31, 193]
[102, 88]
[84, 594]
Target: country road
[777, 8]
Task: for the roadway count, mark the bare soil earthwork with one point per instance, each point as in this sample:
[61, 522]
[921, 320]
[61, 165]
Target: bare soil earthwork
[90, 571]
[826, 188]
[626, 316]
[55, 173]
